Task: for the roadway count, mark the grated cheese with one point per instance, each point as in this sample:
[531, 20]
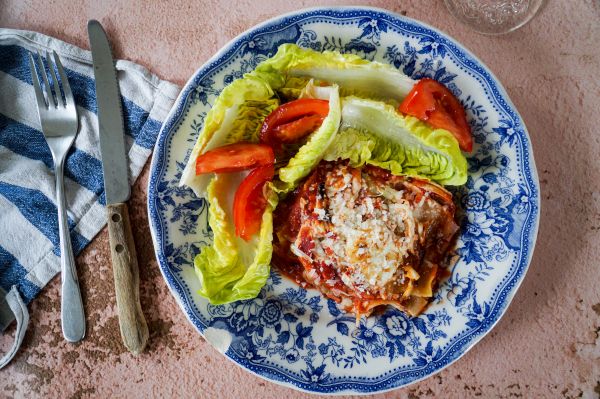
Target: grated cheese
[367, 236]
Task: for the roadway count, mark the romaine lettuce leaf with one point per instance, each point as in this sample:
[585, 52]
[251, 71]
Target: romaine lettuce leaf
[375, 133]
[311, 153]
[354, 75]
[237, 115]
[232, 269]
[292, 89]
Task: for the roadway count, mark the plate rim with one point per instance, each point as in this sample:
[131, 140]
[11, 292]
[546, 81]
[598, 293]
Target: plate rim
[178, 111]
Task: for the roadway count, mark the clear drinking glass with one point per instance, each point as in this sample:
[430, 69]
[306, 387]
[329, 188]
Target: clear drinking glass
[494, 17]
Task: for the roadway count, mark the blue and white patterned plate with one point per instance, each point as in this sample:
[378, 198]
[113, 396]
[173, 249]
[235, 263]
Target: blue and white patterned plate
[295, 337]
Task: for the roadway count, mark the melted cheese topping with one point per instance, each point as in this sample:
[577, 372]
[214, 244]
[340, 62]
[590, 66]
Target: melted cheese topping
[362, 232]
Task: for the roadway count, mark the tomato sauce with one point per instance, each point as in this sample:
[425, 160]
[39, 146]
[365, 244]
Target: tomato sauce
[290, 268]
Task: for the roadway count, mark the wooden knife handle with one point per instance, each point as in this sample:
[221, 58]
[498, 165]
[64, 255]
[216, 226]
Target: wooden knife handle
[134, 329]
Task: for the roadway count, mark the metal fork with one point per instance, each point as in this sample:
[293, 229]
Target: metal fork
[58, 117]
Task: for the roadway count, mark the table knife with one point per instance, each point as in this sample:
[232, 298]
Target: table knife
[134, 330]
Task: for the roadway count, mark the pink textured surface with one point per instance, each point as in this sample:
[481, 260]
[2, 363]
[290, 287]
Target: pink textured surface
[547, 345]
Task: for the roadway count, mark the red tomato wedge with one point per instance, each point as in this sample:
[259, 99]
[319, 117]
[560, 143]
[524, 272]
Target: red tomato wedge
[234, 158]
[249, 202]
[295, 120]
[292, 131]
[432, 102]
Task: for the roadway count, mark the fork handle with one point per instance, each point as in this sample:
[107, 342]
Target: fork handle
[134, 330]
[72, 313]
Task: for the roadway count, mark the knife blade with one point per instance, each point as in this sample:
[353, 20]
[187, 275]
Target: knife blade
[110, 119]
[134, 330]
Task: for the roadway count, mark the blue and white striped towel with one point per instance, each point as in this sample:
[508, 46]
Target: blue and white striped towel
[29, 243]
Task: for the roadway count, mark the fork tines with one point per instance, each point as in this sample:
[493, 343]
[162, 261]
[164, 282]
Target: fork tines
[57, 92]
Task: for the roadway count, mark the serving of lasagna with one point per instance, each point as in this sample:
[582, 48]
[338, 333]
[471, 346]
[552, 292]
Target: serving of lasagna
[365, 237]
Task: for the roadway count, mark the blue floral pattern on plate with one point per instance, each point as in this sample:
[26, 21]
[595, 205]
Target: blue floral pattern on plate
[296, 337]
